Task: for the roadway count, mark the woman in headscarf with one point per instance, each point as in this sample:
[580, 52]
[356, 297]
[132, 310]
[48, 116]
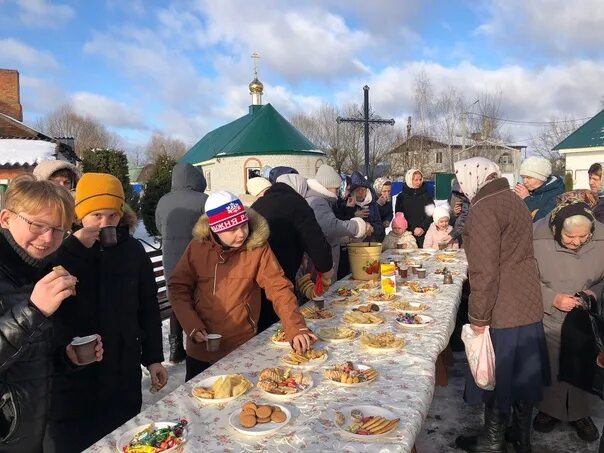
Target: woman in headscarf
[383, 191]
[569, 248]
[505, 295]
[412, 202]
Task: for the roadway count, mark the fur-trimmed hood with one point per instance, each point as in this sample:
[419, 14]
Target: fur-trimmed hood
[258, 237]
[46, 168]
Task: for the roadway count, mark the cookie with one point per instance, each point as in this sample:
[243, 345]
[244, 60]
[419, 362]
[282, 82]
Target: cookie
[264, 411]
[248, 411]
[247, 420]
[278, 416]
[249, 404]
[263, 420]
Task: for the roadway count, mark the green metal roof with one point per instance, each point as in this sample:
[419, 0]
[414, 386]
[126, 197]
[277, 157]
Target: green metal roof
[262, 131]
[590, 135]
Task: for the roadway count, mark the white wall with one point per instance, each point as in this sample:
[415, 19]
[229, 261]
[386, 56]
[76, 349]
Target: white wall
[578, 163]
[228, 173]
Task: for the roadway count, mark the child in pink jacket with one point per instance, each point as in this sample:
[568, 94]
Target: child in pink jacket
[439, 229]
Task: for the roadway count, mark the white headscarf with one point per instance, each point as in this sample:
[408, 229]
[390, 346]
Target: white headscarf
[409, 177]
[295, 181]
[473, 173]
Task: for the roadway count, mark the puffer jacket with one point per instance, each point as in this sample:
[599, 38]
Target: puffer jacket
[542, 200]
[25, 351]
[178, 211]
[375, 218]
[218, 289]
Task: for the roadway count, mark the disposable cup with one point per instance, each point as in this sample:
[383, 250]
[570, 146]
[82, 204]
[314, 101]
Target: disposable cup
[108, 237]
[84, 348]
[213, 342]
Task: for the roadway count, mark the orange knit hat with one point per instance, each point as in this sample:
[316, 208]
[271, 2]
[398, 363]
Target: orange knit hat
[97, 191]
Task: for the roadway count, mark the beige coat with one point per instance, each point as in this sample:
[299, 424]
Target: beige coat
[391, 240]
[565, 271]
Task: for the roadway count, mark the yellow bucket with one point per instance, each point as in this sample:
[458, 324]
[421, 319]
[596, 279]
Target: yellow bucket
[364, 260]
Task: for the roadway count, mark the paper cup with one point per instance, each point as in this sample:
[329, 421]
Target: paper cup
[213, 342]
[108, 237]
[84, 348]
[319, 303]
[421, 272]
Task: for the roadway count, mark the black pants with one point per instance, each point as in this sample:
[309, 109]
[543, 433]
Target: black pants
[175, 327]
[194, 367]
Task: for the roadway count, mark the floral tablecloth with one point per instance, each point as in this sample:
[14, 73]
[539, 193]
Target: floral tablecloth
[405, 384]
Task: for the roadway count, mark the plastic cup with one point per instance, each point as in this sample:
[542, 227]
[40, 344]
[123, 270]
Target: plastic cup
[401, 245]
[319, 303]
[108, 236]
[421, 272]
[442, 245]
[448, 279]
[84, 348]
[414, 268]
[403, 272]
[213, 342]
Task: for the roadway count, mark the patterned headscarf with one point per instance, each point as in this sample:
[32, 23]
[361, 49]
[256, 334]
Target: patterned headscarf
[566, 209]
[409, 177]
[584, 195]
[379, 183]
[473, 173]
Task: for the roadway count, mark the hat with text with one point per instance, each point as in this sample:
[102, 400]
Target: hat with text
[225, 211]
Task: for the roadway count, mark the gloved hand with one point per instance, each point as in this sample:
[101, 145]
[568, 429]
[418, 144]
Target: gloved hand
[306, 286]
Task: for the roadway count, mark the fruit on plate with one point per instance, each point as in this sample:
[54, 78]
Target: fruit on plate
[409, 318]
[279, 336]
[315, 313]
[346, 292]
[357, 317]
[367, 308]
[282, 381]
[293, 358]
[337, 333]
[155, 440]
[346, 373]
[224, 387]
[384, 340]
[252, 414]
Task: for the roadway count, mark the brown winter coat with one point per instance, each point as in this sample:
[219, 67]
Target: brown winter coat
[498, 238]
[564, 271]
[219, 290]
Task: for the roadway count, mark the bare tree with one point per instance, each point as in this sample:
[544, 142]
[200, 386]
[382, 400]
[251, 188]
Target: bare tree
[160, 145]
[424, 117]
[87, 132]
[449, 108]
[549, 136]
[487, 120]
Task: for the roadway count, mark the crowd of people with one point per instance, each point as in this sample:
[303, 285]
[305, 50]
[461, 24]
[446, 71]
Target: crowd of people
[235, 265]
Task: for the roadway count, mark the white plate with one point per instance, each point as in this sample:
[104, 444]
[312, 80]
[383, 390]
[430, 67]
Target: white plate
[360, 324]
[281, 344]
[426, 320]
[390, 349]
[129, 435]
[337, 340]
[290, 396]
[359, 384]
[367, 411]
[310, 364]
[414, 307]
[371, 298]
[207, 383]
[261, 429]
[319, 320]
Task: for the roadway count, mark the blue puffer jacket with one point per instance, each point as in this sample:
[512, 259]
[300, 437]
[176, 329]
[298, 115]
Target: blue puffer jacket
[374, 219]
[542, 200]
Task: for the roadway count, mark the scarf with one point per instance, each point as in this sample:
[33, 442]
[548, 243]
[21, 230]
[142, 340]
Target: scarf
[472, 174]
[565, 210]
[409, 177]
[379, 183]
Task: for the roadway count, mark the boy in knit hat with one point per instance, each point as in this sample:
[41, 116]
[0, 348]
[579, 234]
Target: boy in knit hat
[116, 298]
[539, 187]
[439, 231]
[399, 235]
[215, 287]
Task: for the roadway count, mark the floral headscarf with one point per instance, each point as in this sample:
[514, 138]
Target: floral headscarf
[379, 183]
[584, 195]
[409, 177]
[473, 173]
[566, 209]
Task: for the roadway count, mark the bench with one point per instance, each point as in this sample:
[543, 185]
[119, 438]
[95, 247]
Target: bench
[165, 309]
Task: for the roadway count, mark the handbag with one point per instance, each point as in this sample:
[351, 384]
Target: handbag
[481, 356]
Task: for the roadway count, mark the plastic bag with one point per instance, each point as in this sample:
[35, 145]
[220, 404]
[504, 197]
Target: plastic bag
[481, 356]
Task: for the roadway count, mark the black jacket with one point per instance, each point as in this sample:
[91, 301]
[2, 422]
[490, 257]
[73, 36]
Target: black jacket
[412, 203]
[375, 218]
[293, 231]
[25, 351]
[116, 298]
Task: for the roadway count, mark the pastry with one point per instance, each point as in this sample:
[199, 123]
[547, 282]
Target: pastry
[250, 404]
[264, 411]
[264, 420]
[278, 416]
[247, 420]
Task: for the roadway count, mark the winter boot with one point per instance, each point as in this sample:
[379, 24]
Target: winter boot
[492, 437]
[519, 433]
[177, 350]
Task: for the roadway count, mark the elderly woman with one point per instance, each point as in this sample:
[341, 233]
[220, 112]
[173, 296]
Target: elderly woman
[412, 202]
[383, 190]
[539, 187]
[505, 296]
[569, 247]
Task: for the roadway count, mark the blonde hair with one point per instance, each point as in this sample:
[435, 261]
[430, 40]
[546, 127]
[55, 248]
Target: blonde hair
[28, 194]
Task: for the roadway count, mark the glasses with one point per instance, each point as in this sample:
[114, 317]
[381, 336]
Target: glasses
[40, 228]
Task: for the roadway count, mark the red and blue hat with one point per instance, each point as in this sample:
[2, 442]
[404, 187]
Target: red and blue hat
[225, 211]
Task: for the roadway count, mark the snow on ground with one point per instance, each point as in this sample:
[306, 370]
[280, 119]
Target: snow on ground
[149, 241]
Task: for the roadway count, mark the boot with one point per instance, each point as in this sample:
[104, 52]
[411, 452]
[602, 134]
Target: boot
[177, 350]
[519, 433]
[492, 437]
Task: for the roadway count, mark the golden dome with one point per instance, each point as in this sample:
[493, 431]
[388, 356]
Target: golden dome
[256, 86]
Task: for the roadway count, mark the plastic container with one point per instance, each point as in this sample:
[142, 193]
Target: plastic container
[388, 278]
[364, 258]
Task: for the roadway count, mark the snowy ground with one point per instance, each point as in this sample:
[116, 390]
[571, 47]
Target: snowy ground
[448, 415]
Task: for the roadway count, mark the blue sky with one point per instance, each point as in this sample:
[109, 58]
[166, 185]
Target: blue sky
[181, 68]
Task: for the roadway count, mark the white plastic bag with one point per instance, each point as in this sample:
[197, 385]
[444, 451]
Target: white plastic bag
[481, 356]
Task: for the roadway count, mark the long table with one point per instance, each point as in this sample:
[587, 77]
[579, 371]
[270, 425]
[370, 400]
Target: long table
[405, 384]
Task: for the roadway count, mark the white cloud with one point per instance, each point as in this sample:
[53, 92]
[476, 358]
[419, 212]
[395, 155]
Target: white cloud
[44, 14]
[14, 53]
[560, 27]
[40, 96]
[108, 111]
